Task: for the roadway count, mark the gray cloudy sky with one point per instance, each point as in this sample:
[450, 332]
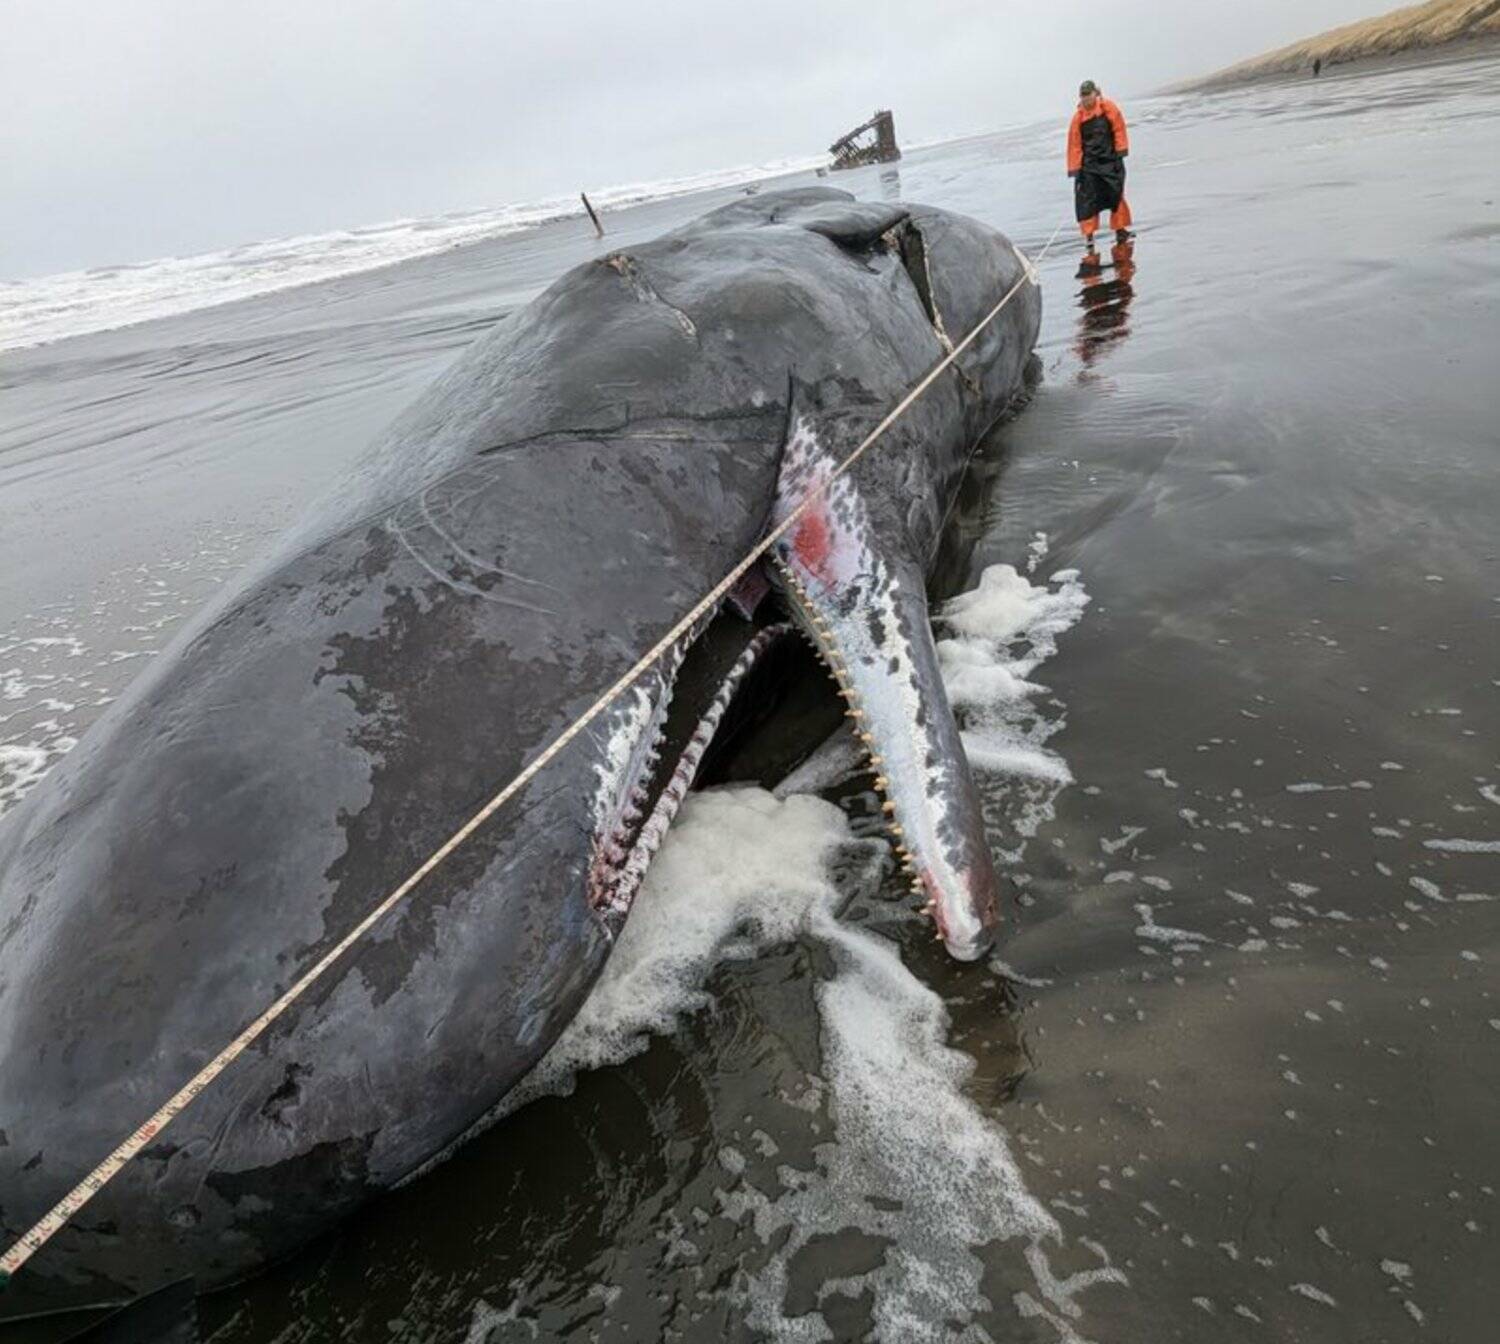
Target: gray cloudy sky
[135, 129]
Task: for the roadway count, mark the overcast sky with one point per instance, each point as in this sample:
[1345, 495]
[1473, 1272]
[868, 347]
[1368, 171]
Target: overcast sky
[135, 129]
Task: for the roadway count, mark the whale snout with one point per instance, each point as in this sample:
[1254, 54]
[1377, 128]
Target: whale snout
[971, 950]
[964, 909]
[972, 943]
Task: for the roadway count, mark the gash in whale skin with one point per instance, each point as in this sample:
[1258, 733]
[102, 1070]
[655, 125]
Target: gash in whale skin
[582, 475]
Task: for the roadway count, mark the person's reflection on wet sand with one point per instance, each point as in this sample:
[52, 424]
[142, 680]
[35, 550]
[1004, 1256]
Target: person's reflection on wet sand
[1104, 301]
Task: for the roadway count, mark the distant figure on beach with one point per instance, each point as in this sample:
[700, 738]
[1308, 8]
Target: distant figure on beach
[1097, 146]
[1317, 66]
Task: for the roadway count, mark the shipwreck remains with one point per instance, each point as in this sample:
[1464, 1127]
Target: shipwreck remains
[873, 142]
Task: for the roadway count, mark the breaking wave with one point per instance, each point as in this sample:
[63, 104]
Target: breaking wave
[53, 307]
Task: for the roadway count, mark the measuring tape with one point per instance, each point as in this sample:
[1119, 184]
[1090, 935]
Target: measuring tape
[63, 1211]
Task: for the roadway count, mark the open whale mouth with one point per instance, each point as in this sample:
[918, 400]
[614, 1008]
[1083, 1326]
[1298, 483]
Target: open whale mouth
[708, 695]
[729, 675]
[723, 683]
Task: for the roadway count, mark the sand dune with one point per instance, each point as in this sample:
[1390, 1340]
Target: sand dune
[1415, 28]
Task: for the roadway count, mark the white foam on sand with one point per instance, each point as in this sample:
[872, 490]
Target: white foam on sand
[741, 871]
[991, 639]
[1461, 846]
[995, 638]
[22, 764]
[37, 726]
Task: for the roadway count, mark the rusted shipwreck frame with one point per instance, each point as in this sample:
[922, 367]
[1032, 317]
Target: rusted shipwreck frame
[873, 142]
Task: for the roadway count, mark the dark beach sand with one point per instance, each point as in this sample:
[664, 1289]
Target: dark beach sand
[1255, 1051]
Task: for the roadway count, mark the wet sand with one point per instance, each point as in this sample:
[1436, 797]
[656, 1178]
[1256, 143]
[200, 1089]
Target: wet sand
[1248, 1055]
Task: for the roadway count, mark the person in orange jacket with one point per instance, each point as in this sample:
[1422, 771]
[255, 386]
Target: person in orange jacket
[1097, 146]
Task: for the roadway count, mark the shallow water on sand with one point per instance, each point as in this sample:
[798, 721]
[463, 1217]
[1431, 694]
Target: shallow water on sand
[1242, 1082]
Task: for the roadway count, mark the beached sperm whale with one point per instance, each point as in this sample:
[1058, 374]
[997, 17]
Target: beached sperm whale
[559, 498]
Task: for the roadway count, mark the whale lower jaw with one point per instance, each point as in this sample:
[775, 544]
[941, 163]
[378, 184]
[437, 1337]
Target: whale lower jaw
[861, 598]
[900, 716]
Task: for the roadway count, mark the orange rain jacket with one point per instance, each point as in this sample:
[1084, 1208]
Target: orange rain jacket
[1102, 108]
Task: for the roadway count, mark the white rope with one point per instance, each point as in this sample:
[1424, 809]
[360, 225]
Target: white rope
[57, 1218]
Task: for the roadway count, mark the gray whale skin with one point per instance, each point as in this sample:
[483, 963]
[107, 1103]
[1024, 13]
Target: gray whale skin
[538, 519]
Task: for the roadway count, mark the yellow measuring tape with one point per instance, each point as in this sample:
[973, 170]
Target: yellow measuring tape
[58, 1217]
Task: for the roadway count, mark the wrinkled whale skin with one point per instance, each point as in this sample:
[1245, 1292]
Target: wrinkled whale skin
[543, 514]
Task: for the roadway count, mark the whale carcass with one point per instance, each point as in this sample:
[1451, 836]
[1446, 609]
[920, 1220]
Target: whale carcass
[561, 496]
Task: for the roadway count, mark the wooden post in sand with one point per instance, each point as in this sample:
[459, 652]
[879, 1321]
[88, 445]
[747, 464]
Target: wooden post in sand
[598, 227]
